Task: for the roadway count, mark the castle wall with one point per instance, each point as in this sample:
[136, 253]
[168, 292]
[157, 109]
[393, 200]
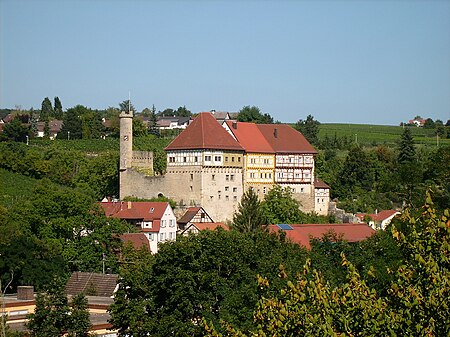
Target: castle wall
[222, 190]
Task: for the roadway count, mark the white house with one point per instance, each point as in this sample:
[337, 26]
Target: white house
[155, 219]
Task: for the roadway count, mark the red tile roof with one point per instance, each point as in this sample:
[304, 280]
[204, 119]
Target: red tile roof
[250, 137]
[204, 133]
[138, 210]
[380, 216]
[210, 225]
[303, 233]
[137, 240]
[284, 139]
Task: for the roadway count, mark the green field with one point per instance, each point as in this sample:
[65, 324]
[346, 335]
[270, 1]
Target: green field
[379, 134]
[15, 187]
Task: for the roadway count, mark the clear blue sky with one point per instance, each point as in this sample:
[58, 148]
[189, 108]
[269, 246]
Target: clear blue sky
[379, 62]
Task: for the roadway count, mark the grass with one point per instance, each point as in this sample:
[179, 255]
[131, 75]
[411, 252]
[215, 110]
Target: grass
[15, 187]
[379, 134]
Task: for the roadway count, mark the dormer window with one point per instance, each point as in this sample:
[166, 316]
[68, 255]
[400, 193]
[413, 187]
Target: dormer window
[152, 210]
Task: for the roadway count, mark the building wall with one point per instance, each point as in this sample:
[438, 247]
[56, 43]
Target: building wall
[321, 200]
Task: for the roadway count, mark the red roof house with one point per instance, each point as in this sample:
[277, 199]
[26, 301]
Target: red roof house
[250, 137]
[379, 220]
[303, 233]
[155, 219]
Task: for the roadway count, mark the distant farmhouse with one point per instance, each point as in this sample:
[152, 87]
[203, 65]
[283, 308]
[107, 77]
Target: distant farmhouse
[215, 160]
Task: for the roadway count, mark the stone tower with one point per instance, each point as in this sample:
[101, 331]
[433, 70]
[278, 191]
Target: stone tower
[126, 148]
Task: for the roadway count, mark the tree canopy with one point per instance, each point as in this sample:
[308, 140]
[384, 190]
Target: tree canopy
[309, 128]
[249, 216]
[211, 275]
[253, 114]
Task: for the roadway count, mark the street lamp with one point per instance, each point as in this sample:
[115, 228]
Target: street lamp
[27, 139]
[68, 135]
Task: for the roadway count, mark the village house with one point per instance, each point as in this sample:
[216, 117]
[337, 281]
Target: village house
[378, 220]
[302, 234]
[195, 220]
[154, 219]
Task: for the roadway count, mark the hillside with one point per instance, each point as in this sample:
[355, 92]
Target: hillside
[15, 187]
[366, 134]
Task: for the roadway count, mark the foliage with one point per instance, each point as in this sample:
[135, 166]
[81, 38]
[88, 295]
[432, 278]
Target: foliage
[126, 106]
[161, 198]
[56, 230]
[254, 115]
[71, 127]
[280, 207]
[249, 216]
[54, 316]
[46, 110]
[16, 131]
[58, 109]
[211, 275]
[407, 152]
[309, 128]
[372, 135]
[413, 303]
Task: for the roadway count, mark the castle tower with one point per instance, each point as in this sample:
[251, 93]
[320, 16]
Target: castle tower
[126, 149]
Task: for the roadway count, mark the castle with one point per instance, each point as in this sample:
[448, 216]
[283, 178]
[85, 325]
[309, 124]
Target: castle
[212, 165]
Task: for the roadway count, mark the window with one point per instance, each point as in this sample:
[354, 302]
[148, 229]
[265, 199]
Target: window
[196, 159]
[270, 175]
[213, 177]
[264, 190]
[232, 177]
[218, 197]
[239, 159]
[163, 223]
[266, 161]
[152, 210]
[302, 189]
[171, 223]
[227, 177]
[192, 176]
[234, 189]
[226, 159]
[207, 158]
[235, 198]
[191, 188]
[227, 197]
[184, 159]
[217, 158]
[161, 236]
[171, 159]
[226, 188]
[211, 197]
[232, 159]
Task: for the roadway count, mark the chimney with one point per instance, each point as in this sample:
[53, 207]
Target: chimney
[275, 133]
[234, 125]
[129, 204]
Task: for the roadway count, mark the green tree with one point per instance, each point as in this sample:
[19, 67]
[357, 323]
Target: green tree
[429, 124]
[407, 151]
[46, 110]
[309, 128]
[127, 106]
[211, 275]
[280, 207]
[139, 128]
[58, 110]
[54, 316]
[253, 114]
[183, 112]
[249, 216]
[414, 302]
[16, 131]
[71, 127]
